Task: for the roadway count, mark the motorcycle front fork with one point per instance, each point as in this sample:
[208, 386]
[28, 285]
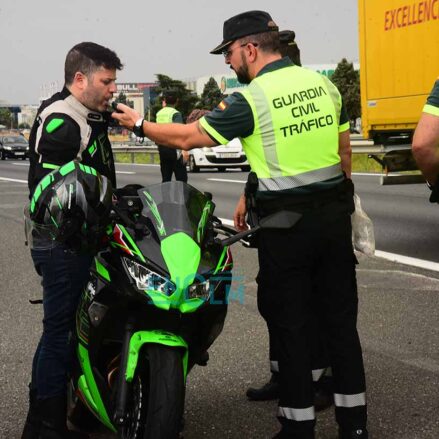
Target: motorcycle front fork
[123, 386]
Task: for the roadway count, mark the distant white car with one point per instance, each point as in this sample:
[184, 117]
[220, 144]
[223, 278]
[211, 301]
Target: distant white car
[221, 157]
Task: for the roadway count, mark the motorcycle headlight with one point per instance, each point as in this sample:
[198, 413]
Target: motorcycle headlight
[148, 280]
[199, 290]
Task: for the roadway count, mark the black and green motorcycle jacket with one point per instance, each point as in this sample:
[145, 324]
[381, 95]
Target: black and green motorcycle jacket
[65, 130]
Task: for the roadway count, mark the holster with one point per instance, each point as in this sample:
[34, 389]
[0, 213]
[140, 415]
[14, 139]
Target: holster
[251, 188]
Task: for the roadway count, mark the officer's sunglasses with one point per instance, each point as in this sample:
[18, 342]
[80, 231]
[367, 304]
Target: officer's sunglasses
[228, 53]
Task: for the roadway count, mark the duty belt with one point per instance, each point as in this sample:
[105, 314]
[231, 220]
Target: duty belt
[337, 199]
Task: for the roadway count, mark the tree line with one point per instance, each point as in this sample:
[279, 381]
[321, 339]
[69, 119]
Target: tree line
[345, 77]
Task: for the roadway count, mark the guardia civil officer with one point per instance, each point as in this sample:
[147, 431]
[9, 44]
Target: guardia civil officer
[320, 371]
[295, 134]
[426, 142]
[171, 161]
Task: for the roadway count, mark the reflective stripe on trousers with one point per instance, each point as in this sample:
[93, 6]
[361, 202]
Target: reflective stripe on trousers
[274, 366]
[349, 401]
[291, 414]
[316, 373]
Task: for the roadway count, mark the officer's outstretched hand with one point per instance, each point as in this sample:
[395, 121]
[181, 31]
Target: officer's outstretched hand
[239, 215]
[126, 116]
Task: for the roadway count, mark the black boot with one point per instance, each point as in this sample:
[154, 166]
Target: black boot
[356, 433]
[32, 425]
[267, 392]
[54, 420]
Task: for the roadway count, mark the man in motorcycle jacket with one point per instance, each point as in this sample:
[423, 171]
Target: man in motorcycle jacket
[70, 125]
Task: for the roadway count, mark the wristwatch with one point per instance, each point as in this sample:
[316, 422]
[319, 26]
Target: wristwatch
[138, 128]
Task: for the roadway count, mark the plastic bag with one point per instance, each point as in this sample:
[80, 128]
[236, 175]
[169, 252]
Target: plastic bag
[363, 237]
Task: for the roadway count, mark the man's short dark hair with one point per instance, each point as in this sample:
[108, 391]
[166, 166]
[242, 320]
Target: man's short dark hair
[170, 96]
[88, 57]
[267, 41]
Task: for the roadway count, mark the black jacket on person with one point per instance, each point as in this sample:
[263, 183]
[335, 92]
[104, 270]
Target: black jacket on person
[65, 130]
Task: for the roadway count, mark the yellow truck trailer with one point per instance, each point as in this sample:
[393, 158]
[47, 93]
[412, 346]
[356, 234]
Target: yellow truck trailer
[399, 63]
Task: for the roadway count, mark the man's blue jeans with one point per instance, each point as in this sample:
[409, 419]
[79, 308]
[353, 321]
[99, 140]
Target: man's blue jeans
[64, 275]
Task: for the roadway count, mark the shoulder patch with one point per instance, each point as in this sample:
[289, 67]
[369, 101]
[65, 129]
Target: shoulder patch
[222, 105]
[53, 125]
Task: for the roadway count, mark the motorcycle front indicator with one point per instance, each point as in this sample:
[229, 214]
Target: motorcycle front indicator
[199, 290]
[146, 279]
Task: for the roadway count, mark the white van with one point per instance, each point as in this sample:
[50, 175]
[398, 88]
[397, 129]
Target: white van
[221, 157]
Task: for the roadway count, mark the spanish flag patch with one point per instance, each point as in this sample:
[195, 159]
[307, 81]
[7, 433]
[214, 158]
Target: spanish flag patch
[222, 105]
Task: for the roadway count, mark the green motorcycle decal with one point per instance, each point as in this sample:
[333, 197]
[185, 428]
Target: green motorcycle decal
[87, 386]
[155, 211]
[118, 234]
[140, 338]
[202, 224]
[102, 271]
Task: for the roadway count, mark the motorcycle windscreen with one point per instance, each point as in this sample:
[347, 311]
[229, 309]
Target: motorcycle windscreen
[176, 207]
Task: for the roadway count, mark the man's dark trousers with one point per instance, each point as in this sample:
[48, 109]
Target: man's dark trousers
[169, 164]
[64, 275]
[316, 254]
[173, 166]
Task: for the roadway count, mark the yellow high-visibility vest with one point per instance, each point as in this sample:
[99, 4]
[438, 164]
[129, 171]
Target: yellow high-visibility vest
[296, 126]
[165, 115]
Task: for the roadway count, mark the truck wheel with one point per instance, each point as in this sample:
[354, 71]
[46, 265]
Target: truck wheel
[156, 401]
[192, 165]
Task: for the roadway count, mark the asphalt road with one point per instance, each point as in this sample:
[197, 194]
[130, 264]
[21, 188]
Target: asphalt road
[397, 324]
[405, 223]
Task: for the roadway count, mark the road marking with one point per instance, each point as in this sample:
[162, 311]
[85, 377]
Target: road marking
[368, 174]
[21, 164]
[125, 172]
[227, 222]
[137, 164]
[406, 260]
[227, 181]
[13, 180]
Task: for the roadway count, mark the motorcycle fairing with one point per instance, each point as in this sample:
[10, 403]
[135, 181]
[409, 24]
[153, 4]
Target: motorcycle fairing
[225, 262]
[89, 390]
[101, 270]
[123, 240]
[141, 338]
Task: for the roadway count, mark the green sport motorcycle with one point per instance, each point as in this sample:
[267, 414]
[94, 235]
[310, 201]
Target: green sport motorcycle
[155, 302]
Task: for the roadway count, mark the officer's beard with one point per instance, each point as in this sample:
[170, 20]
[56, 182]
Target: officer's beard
[242, 72]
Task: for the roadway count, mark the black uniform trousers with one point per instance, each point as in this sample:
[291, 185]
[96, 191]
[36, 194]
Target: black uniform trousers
[169, 165]
[308, 272]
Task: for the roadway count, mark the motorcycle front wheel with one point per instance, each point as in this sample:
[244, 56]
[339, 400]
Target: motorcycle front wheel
[156, 400]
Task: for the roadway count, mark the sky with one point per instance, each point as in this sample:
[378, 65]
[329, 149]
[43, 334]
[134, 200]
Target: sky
[161, 36]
